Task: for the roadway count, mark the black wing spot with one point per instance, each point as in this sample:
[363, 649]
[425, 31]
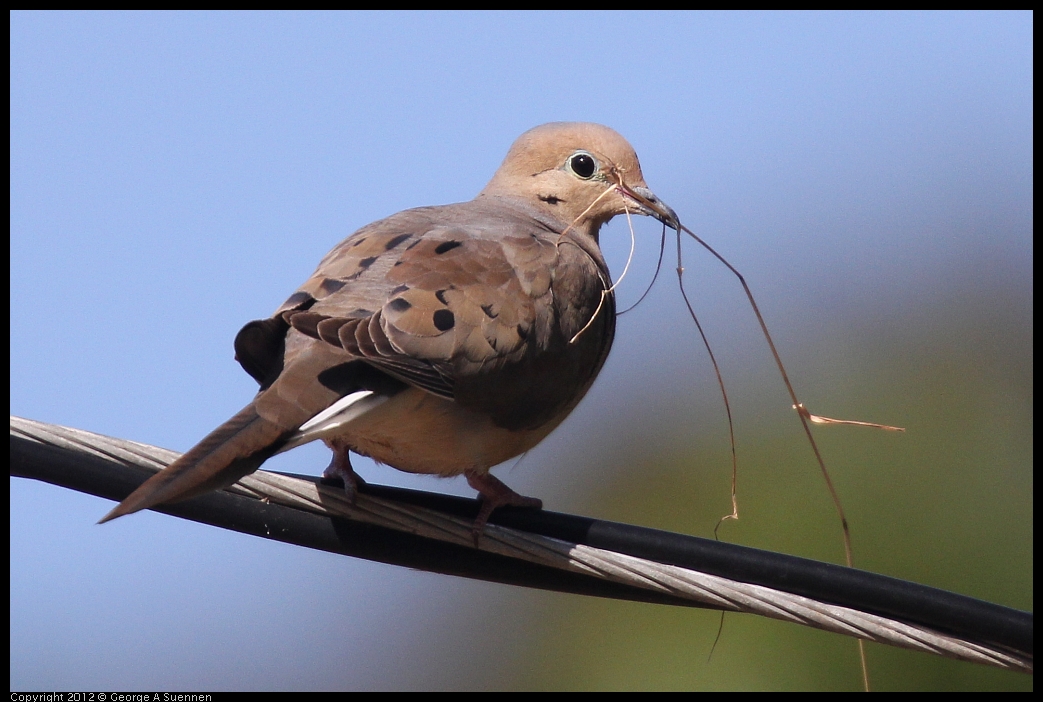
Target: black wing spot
[488, 309]
[395, 241]
[400, 304]
[447, 246]
[367, 262]
[523, 332]
[400, 288]
[359, 242]
[300, 300]
[444, 320]
[440, 294]
[550, 199]
[331, 285]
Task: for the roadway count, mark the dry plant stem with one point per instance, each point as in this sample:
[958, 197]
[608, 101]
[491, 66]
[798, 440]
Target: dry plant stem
[658, 267]
[805, 416]
[582, 214]
[724, 394]
[789, 387]
[817, 419]
[608, 290]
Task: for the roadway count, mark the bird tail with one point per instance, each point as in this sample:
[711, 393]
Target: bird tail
[235, 449]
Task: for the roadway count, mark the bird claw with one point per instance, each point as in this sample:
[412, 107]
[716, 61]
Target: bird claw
[493, 494]
[340, 469]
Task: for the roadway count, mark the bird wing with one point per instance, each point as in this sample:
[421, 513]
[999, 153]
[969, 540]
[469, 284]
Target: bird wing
[456, 300]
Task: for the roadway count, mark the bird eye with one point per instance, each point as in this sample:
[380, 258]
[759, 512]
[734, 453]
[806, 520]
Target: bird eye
[582, 165]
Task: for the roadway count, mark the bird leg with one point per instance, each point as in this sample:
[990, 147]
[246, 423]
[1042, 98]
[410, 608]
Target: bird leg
[340, 469]
[493, 494]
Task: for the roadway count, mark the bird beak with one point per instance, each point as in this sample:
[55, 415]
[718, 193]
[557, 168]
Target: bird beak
[650, 205]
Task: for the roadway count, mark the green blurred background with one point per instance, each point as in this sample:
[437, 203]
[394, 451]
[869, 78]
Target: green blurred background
[947, 504]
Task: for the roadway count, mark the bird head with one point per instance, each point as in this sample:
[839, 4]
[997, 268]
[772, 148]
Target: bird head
[583, 174]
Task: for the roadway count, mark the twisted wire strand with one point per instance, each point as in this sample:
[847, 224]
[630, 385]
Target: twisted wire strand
[707, 589]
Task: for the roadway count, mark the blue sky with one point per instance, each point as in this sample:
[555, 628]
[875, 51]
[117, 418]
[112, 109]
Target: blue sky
[174, 175]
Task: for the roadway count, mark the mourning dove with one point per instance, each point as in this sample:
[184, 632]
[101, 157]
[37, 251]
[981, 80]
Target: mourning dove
[441, 340]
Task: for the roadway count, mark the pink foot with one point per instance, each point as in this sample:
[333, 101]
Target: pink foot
[340, 469]
[493, 493]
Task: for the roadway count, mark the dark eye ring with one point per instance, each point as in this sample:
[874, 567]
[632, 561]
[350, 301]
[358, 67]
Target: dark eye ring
[583, 165]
